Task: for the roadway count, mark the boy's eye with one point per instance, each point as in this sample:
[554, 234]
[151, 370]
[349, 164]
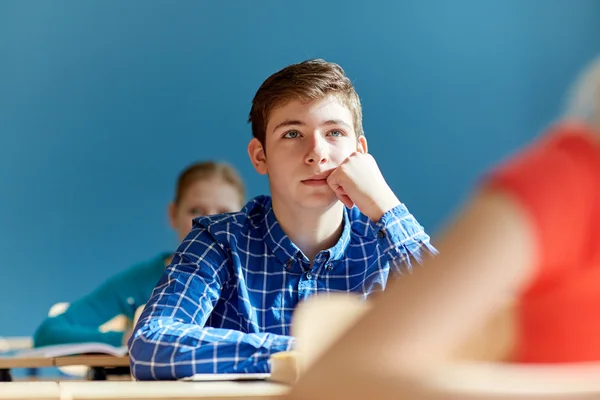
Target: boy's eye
[336, 133]
[291, 135]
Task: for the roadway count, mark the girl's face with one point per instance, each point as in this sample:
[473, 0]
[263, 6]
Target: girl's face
[203, 197]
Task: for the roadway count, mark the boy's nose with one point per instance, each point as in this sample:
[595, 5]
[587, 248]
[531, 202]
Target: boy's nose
[317, 153]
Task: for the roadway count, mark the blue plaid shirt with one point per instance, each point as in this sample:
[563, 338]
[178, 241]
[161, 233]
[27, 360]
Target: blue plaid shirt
[225, 302]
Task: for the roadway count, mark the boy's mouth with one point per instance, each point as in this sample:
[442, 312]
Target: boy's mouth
[315, 182]
[317, 179]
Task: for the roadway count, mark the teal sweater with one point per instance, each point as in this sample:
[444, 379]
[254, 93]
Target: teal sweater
[93, 317]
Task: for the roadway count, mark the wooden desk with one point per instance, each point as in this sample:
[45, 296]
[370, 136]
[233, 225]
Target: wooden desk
[172, 390]
[497, 381]
[29, 391]
[101, 365]
[92, 360]
[98, 363]
[10, 344]
[6, 363]
[25, 362]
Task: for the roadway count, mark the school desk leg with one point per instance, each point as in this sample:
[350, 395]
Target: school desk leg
[97, 374]
[5, 375]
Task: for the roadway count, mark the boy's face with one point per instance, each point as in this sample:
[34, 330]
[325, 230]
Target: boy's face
[304, 143]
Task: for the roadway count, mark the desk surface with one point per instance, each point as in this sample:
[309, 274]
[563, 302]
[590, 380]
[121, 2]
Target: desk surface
[141, 390]
[29, 391]
[95, 360]
[172, 390]
[519, 380]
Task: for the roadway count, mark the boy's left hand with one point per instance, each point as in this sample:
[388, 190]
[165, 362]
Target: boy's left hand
[358, 181]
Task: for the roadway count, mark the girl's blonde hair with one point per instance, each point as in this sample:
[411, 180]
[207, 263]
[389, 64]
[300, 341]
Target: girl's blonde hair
[208, 170]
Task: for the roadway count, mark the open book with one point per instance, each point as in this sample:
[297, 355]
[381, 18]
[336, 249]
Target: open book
[72, 349]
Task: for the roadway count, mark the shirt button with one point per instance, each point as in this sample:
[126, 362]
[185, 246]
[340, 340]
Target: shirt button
[308, 275]
[381, 234]
[329, 267]
[288, 264]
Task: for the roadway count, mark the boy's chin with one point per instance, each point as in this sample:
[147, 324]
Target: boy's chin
[322, 201]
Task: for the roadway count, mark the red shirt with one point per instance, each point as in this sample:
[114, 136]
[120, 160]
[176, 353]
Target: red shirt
[557, 182]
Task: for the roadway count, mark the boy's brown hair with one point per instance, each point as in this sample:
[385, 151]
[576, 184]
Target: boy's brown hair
[305, 81]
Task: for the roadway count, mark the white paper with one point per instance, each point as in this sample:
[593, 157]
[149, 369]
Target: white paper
[226, 377]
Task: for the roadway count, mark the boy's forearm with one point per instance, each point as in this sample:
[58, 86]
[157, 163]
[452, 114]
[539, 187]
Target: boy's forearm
[164, 350]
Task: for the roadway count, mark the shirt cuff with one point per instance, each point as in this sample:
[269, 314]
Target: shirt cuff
[400, 235]
[282, 343]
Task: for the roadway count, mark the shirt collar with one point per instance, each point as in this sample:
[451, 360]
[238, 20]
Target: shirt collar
[286, 251]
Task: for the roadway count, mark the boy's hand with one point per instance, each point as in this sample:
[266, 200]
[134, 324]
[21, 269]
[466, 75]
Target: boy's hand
[358, 181]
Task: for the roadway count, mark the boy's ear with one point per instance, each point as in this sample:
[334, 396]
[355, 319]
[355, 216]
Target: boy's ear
[257, 155]
[361, 146]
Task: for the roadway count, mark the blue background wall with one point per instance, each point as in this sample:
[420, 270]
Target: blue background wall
[103, 102]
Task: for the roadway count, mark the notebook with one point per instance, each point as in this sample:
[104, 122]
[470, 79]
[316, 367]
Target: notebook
[71, 349]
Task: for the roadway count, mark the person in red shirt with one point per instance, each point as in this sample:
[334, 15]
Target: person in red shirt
[530, 233]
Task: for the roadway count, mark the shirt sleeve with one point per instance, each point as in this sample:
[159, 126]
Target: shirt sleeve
[170, 340]
[402, 238]
[554, 181]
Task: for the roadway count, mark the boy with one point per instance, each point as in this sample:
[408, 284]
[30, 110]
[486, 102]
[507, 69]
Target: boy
[226, 301]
